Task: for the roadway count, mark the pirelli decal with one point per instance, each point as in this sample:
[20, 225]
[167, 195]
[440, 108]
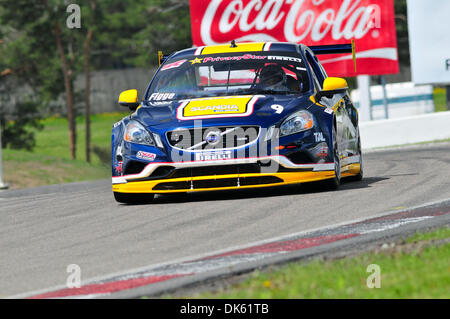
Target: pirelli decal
[234, 106]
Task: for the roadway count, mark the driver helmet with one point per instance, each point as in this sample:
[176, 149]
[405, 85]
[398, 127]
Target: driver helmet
[272, 76]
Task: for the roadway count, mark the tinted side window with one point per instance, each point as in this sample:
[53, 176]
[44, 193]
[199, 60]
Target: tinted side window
[325, 75]
[317, 69]
[314, 77]
[351, 110]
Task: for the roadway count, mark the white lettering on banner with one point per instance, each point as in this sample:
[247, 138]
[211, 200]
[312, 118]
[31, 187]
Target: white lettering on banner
[216, 108]
[284, 58]
[319, 137]
[349, 21]
[161, 96]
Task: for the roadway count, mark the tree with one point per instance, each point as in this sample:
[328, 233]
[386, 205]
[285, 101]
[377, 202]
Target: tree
[17, 121]
[40, 52]
[87, 56]
[128, 34]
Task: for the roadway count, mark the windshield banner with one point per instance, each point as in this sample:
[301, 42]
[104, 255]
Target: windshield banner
[216, 107]
[312, 22]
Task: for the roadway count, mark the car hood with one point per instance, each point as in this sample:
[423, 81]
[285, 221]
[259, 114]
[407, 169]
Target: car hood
[262, 110]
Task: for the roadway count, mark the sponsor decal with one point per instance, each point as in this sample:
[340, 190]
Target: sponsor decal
[245, 57]
[160, 103]
[118, 168]
[216, 107]
[173, 65]
[213, 137]
[319, 137]
[320, 152]
[235, 58]
[211, 156]
[146, 155]
[284, 58]
[117, 124]
[311, 22]
[161, 96]
[323, 151]
[195, 61]
[328, 110]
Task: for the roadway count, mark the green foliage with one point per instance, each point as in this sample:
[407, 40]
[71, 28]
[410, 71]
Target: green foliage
[29, 48]
[440, 99]
[29, 53]
[129, 34]
[18, 119]
[16, 128]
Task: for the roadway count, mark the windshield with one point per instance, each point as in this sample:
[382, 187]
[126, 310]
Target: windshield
[224, 74]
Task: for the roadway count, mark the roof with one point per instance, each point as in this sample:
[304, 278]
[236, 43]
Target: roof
[238, 47]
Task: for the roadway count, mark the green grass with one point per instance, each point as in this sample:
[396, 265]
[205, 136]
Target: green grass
[54, 139]
[408, 270]
[50, 161]
[439, 234]
[440, 100]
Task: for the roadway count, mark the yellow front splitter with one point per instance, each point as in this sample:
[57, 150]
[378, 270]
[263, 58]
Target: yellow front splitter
[288, 178]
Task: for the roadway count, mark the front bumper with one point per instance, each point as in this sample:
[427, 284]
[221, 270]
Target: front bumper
[199, 176]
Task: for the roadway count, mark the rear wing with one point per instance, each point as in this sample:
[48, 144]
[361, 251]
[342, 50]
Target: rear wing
[161, 57]
[336, 49]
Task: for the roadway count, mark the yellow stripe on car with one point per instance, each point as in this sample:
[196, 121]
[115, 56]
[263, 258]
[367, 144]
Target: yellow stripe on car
[240, 47]
[288, 178]
[339, 103]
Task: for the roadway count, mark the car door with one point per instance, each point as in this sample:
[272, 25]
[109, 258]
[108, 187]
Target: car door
[351, 133]
[344, 129]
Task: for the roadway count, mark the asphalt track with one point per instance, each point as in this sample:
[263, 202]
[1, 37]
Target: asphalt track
[43, 230]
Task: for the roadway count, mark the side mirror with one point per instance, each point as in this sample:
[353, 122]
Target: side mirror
[332, 86]
[129, 99]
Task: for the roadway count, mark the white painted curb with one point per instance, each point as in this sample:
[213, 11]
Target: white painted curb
[408, 130]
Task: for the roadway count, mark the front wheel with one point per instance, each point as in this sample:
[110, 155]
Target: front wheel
[133, 198]
[335, 182]
[360, 174]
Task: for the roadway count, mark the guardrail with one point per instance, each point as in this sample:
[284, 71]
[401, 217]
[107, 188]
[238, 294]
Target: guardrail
[408, 130]
[403, 100]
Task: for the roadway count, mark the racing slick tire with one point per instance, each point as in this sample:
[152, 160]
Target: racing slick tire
[335, 182]
[358, 177]
[133, 198]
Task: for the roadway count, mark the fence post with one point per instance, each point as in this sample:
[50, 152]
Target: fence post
[2, 184]
[365, 105]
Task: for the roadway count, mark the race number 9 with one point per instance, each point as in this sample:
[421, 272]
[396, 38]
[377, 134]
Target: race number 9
[278, 108]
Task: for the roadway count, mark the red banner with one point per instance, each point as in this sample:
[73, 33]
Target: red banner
[312, 22]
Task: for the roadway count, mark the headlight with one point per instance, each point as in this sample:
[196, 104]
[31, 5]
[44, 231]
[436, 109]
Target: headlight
[297, 122]
[136, 133]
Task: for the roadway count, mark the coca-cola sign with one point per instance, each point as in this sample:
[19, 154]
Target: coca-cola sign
[312, 22]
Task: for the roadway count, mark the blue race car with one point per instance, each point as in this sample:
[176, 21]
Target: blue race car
[244, 115]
